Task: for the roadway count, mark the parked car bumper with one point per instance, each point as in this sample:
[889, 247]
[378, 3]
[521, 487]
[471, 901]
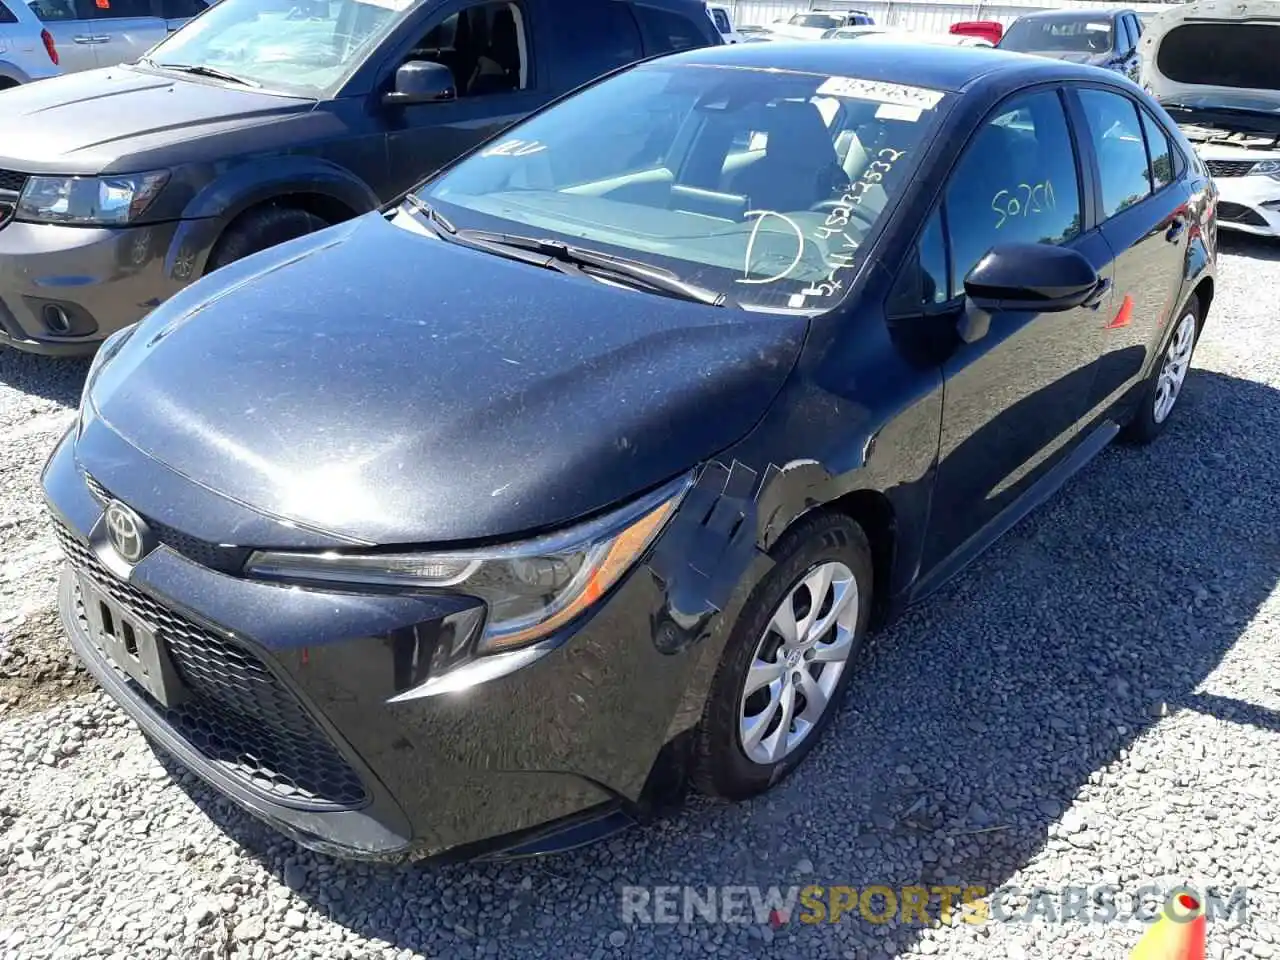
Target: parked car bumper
[64, 289]
[294, 708]
[1249, 204]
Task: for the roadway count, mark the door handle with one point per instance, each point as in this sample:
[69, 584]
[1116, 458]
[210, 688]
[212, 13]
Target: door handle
[91, 39]
[1175, 230]
[1099, 294]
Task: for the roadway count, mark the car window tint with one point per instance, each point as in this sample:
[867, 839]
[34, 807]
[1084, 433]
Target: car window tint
[601, 36]
[181, 9]
[53, 10]
[483, 45]
[1117, 138]
[923, 280]
[1016, 183]
[1160, 150]
[722, 20]
[7, 15]
[115, 9]
[665, 31]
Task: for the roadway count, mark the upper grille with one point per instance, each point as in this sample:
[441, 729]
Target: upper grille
[212, 555]
[9, 180]
[1229, 168]
[238, 713]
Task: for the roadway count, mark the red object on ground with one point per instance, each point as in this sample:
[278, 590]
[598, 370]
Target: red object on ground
[991, 30]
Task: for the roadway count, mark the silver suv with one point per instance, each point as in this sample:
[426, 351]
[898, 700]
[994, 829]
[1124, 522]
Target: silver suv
[102, 33]
[27, 51]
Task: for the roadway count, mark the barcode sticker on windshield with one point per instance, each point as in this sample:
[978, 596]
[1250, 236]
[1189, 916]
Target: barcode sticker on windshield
[896, 111]
[879, 92]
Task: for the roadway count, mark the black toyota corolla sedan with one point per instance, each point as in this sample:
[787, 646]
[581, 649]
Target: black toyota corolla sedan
[473, 524]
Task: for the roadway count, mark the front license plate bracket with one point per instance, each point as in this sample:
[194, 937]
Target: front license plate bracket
[132, 646]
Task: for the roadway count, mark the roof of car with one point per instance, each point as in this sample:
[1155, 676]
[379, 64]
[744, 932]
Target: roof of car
[1055, 14]
[938, 67]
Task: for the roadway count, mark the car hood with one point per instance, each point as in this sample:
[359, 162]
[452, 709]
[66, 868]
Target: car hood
[106, 121]
[1213, 49]
[383, 386]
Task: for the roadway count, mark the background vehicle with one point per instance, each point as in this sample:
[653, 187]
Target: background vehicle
[1101, 38]
[264, 120]
[753, 33]
[102, 33]
[812, 24]
[1214, 69]
[989, 30]
[920, 290]
[723, 19]
[906, 36]
[27, 51]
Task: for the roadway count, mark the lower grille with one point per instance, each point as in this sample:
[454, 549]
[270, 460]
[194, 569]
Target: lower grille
[1239, 213]
[1229, 168]
[238, 714]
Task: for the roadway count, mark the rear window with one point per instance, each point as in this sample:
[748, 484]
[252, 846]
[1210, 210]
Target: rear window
[1222, 55]
[1071, 33]
[7, 15]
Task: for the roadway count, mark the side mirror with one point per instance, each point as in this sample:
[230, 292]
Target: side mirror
[1026, 278]
[422, 81]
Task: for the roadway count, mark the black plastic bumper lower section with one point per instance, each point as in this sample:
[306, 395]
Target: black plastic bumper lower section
[345, 833]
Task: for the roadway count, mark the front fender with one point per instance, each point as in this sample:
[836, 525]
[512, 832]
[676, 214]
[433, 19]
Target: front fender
[247, 185]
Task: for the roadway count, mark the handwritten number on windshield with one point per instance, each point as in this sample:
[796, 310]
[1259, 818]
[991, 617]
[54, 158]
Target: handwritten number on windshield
[844, 257]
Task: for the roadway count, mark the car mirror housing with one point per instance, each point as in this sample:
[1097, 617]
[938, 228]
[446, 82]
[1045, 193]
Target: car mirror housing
[1035, 277]
[422, 81]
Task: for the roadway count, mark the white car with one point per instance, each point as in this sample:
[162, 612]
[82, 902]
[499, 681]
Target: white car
[906, 36]
[723, 20]
[1212, 66]
[813, 24]
[27, 50]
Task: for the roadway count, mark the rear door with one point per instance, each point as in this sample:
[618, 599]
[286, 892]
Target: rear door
[123, 30]
[1014, 401]
[72, 33]
[1142, 201]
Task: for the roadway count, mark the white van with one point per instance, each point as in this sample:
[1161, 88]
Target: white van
[723, 20]
[1215, 66]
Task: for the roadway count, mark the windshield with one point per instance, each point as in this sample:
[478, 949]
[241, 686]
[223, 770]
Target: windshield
[295, 46]
[762, 185]
[824, 21]
[1080, 33]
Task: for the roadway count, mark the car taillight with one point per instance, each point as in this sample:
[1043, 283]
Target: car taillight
[49, 46]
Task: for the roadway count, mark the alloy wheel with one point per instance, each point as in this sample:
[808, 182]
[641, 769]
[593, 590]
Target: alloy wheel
[798, 662]
[1173, 371]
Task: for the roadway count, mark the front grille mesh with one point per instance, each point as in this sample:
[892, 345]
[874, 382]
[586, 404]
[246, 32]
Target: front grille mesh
[238, 714]
[212, 555]
[1229, 168]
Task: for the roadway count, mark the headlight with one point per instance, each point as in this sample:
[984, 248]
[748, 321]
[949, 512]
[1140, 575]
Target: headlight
[530, 589]
[101, 201]
[1267, 168]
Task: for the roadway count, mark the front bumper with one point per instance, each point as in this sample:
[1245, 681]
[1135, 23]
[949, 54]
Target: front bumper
[1249, 204]
[567, 738]
[64, 289]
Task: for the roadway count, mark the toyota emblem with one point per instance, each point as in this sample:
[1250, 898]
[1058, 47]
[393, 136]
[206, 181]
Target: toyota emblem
[126, 531]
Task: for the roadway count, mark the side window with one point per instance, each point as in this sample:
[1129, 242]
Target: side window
[665, 31]
[1017, 182]
[1135, 28]
[1160, 150]
[7, 15]
[484, 47]
[181, 9]
[114, 9]
[1124, 39]
[51, 11]
[923, 280]
[1117, 139]
[601, 36]
[722, 20]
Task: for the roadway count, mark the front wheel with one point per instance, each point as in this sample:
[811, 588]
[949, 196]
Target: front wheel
[260, 229]
[1164, 386]
[788, 661]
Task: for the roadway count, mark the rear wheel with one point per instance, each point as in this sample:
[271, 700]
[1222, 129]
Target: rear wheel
[1164, 385]
[788, 661]
[259, 229]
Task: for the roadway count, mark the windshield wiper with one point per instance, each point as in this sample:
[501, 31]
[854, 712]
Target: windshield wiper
[200, 70]
[599, 263]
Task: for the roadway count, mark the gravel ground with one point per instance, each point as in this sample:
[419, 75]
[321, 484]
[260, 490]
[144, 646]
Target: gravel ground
[1097, 701]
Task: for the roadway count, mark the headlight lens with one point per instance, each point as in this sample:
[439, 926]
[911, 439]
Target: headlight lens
[99, 201]
[531, 589]
[1269, 168]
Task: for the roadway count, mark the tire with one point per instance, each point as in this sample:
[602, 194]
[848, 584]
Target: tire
[1154, 409]
[259, 229]
[721, 764]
